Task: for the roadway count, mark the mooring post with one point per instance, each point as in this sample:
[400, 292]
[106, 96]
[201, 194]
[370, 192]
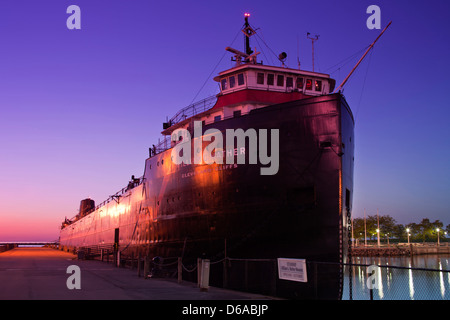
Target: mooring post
[204, 275]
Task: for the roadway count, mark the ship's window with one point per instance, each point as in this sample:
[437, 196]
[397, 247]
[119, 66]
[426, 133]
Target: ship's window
[224, 84]
[280, 80]
[217, 118]
[270, 79]
[300, 83]
[232, 82]
[289, 82]
[260, 78]
[240, 79]
[318, 85]
[162, 161]
[308, 84]
[236, 113]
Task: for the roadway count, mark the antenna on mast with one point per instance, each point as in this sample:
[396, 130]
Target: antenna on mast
[312, 41]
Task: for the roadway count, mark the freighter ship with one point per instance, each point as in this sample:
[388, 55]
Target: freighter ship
[216, 210]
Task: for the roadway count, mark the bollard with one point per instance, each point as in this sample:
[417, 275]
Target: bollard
[204, 275]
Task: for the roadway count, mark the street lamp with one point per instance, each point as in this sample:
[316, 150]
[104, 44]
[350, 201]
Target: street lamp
[407, 232]
[378, 237]
[438, 235]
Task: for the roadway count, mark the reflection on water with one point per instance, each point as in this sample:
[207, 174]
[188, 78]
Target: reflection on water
[410, 282]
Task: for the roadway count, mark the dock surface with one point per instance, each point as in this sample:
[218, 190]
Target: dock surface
[36, 273]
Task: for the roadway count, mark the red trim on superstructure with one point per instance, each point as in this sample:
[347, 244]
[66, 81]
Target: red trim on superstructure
[257, 96]
[245, 96]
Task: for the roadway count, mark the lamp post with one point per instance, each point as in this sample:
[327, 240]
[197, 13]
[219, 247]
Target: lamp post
[378, 237]
[378, 229]
[387, 237]
[438, 236]
[407, 232]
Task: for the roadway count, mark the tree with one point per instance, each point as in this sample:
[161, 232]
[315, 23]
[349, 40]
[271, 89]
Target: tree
[427, 230]
[423, 231]
[387, 226]
[399, 232]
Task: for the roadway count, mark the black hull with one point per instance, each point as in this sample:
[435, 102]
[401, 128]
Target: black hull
[213, 211]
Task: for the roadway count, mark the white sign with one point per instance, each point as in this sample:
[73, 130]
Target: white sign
[292, 269]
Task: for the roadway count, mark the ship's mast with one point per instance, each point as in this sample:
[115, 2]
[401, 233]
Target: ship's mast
[312, 41]
[248, 32]
[248, 56]
[357, 64]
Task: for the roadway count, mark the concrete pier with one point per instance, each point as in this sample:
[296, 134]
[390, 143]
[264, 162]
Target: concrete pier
[42, 273]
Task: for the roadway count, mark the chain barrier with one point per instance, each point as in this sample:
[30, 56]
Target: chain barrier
[189, 270]
[349, 250]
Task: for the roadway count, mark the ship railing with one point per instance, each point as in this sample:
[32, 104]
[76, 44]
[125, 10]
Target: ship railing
[132, 184]
[193, 109]
[163, 144]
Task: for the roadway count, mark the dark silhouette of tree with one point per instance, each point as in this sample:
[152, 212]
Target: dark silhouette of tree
[423, 231]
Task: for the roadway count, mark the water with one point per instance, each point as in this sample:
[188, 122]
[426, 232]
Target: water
[410, 283]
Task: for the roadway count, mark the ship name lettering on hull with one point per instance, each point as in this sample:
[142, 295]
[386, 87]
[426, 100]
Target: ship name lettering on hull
[188, 149]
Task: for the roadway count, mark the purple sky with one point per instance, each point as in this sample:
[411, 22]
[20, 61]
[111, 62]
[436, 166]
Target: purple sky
[79, 108]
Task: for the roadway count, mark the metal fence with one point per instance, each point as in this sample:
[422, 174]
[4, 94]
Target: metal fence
[367, 281]
[385, 282]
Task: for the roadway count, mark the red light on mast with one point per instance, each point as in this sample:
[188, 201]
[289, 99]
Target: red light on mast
[246, 14]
